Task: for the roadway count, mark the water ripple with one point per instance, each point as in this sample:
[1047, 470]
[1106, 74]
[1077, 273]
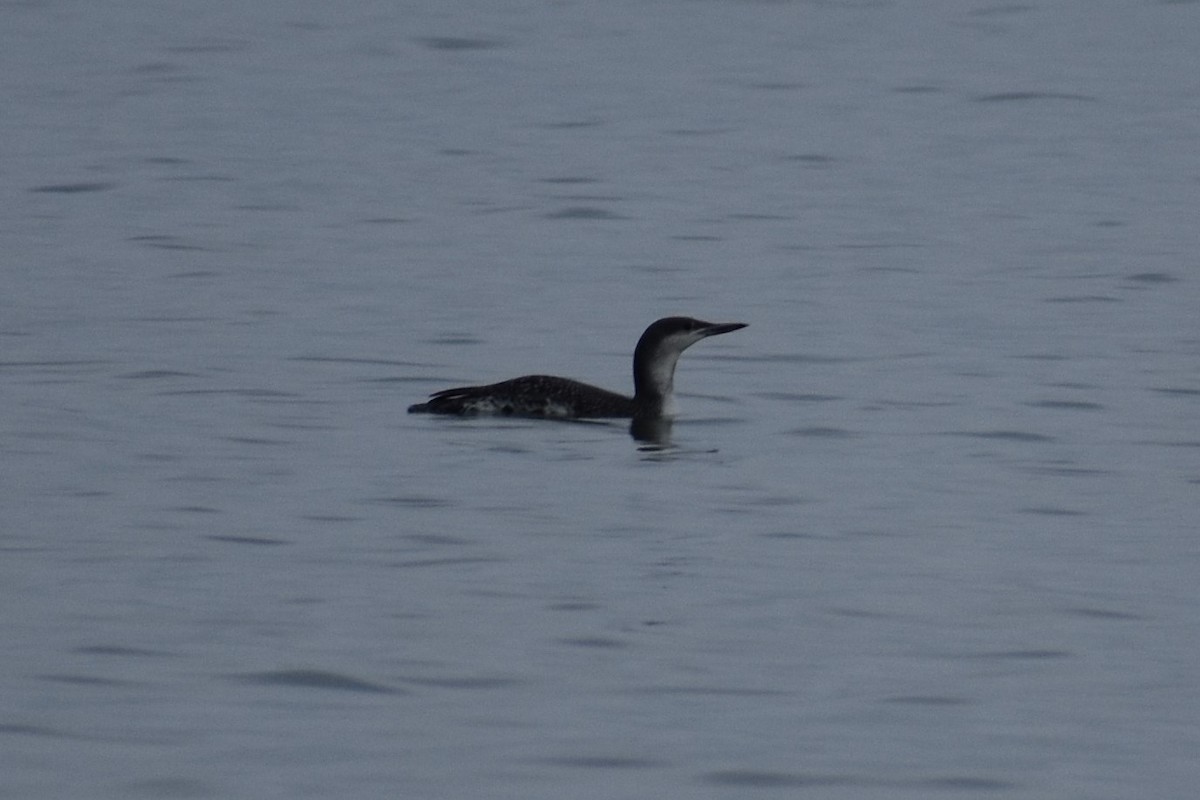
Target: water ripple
[600, 762]
[74, 188]
[251, 540]
[1008, 97]
[820, 433]
[762, 779]
[459, 43]
[1004, 435]
[1066, 405]
[316, 679]
[585, 213]
[926, 700]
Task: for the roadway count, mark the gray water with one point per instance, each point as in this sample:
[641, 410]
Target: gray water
[926, 528]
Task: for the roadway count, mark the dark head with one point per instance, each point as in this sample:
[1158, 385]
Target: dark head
[656, 354]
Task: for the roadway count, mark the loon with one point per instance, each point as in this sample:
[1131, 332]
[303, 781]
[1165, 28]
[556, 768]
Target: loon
[654, 361]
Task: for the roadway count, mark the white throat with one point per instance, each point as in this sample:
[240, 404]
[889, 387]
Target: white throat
[661, 368]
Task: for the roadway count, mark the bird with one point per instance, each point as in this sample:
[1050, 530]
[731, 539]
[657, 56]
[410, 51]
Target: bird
[654, 361]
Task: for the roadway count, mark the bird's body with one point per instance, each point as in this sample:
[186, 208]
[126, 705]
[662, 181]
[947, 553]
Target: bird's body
[654, 362]
[530, 396]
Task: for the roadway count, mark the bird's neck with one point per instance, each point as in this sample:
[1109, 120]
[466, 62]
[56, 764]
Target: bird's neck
[654, 383]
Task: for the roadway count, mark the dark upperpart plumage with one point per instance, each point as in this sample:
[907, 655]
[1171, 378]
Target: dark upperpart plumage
[654, 361]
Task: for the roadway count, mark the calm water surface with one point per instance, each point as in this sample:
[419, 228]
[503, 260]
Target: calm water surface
[926, 528]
